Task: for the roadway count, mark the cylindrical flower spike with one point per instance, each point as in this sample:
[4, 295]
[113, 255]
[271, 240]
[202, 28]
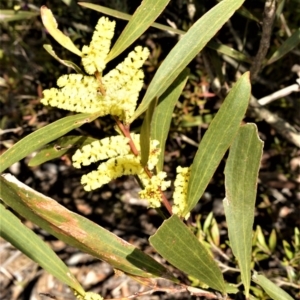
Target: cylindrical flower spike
[78, 93]
[121, 161]
[111, 169]
[124, 83]
[94, 55]
[99, 150]
[180, 192]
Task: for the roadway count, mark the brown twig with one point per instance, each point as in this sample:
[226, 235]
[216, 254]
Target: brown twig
[269, 17]
[125, 129]
[101, 86]
[285, 129]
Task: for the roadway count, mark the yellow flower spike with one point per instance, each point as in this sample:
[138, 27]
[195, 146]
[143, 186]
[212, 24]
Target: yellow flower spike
[152, 191]
[99, 150]
[180, 192]
[121, 161]
[94, 55]
[112, 169]
[124, 83]
[78, 93]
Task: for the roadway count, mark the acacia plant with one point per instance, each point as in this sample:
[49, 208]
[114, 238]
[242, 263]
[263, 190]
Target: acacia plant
[93, 92]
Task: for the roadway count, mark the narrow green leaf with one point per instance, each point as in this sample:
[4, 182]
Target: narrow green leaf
[177, 244]
[187, 48]
[162, 117]
[51, 26]
[141, 20]
[274, 291]
[145, 133]
[280, 6]
[247, 14]
[127, 17]
[42, 137]
[217, 139]
[221, 48]
[288, 45]
[67, 63]
[105, 10]
[64, 145]
[241, 174]
[24, 239]
[78, 231]
[212, 44]
[8, 15]
[272, 240]
[216, 64]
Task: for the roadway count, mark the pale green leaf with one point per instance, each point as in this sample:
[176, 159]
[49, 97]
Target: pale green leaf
[141, 20]
[64, 145]
[217, 139]
[272, 240]
[274, 291]
[231, 52]
[231, 288]
[24, 239]
[78, 231]
[42, 137]
[67, 63]
[280, 7]
[127, 17]
[8, 15]
[241, 174]
[105, 10]
[288, 45]
[162, 117]
[177, 244]
[221, 48]
[51, 26]
[187, 48]
[247, 14]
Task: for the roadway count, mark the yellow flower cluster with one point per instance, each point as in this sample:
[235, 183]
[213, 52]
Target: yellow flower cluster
[153, 188]
[94, 55]
[116, 95]
[180, 192]
[120, 161]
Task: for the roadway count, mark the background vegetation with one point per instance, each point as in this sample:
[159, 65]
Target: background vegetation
[27, 69]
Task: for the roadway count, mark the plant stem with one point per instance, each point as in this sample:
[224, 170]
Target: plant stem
[125, 129]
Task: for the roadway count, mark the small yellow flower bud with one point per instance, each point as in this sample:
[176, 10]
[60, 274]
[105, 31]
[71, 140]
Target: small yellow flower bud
[153, 188]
